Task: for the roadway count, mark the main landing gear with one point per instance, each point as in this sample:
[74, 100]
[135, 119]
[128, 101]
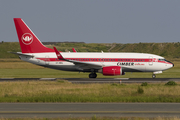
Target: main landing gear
[153, 76]
[92, 75]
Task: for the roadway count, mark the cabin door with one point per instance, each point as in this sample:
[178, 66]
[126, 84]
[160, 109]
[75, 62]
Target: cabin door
[150, 60]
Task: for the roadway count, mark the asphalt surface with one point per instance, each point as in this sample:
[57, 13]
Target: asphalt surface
[97, 80]
[49, 110]
[120, 80]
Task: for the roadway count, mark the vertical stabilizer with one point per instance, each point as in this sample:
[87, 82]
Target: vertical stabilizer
[27, 39]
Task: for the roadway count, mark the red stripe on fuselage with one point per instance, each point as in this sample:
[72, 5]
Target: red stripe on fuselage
[105, 60]
[100, 60]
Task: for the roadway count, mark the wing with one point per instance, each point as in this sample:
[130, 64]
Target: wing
[79, 64]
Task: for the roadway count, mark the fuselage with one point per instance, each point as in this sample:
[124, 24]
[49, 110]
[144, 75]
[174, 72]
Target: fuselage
[130, 62]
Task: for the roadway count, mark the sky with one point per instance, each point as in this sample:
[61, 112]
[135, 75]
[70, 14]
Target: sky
[93, 21]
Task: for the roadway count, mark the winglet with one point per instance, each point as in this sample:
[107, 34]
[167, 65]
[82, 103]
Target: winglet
[60, 57]
[74, 50]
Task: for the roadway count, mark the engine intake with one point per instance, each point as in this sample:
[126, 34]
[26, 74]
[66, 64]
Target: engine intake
[112, 71]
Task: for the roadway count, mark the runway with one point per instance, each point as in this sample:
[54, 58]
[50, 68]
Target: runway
[97, 80]
[121, 80]
[48, 110]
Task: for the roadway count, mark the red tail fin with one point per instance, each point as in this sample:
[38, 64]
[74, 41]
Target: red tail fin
[27, 39]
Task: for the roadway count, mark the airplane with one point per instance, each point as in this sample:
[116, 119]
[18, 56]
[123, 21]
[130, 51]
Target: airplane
[109, 64]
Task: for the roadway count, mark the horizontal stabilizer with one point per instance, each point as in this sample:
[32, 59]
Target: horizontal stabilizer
[19, 53]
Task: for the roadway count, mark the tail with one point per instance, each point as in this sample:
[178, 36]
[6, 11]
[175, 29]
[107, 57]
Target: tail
[27, 39]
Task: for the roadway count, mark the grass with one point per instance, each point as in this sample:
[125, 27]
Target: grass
[58, 91]
[168, 50]
[96, 118]
[82, 47]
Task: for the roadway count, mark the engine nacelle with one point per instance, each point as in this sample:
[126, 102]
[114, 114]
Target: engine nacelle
[112, 71]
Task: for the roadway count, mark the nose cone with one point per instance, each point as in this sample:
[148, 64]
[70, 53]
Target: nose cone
[169, 64]
[172, 65]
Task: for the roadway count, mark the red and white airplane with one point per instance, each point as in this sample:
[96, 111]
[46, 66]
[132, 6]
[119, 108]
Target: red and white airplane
[109, 64]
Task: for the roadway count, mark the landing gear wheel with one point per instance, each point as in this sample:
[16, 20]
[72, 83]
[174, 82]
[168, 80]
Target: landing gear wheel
[153, 76]
[92, 75]
[95, 75]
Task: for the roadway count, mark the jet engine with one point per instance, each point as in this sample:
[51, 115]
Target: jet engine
[112, 71]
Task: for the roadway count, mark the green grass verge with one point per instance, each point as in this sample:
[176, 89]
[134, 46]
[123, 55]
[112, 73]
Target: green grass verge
[167, 50]
[74, 98]
[58, 91]
[96, 118]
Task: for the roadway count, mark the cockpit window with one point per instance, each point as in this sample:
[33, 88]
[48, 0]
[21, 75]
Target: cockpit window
[162, 60]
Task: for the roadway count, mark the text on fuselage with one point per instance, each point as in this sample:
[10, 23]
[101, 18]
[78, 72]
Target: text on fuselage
[125, 64]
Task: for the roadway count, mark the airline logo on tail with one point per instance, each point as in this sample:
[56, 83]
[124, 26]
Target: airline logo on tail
[27, 38]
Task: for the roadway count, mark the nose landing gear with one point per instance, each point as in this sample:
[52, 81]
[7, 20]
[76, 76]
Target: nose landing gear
[153, 76]
[92, 75]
